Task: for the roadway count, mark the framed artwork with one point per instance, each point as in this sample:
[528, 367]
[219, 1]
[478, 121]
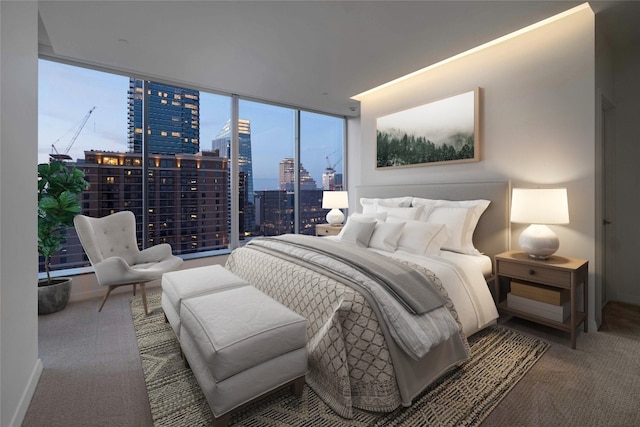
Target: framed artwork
[444, 131]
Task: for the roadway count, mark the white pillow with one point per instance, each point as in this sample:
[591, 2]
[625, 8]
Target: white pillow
[401, 202]
[378, 216]
[386, 235]
[427, 206]
[357, 232]
[421, 238]
[461, 219]
[404, 213]
[369, 206]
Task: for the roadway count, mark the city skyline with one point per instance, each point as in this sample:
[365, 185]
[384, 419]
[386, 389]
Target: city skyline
[67, 93]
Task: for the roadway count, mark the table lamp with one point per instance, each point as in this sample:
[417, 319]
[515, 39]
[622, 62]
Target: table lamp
[335, 200]
[539, 207]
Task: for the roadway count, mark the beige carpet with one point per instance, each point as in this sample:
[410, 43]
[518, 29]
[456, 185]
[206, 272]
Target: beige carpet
[597, 384]
[465, 396]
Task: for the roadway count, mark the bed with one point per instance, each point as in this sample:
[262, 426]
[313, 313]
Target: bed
[364, 352]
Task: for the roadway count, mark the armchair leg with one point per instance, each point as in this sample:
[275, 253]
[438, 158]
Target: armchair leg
[105, 297]
[143, 293]
[134, 289]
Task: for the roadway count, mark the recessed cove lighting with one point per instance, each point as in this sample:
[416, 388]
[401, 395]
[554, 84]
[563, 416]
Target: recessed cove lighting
[494, 42]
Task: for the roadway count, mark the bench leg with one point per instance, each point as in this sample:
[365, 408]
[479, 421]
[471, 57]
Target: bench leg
[297, 386]
[222, 420]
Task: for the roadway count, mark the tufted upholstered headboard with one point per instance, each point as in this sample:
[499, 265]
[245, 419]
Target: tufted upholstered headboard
[492, 233]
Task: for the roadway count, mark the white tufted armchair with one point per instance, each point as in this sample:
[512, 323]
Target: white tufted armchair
[111, 246]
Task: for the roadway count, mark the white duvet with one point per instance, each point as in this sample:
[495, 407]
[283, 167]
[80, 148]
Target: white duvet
[463, 276]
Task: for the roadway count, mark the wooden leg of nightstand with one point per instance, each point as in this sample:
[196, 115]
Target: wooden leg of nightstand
[572, 321]
[585, 289]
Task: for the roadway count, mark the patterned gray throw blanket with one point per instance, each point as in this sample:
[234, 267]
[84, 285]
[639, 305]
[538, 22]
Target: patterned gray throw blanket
[393, 286]
[412, 289]
[354, 360]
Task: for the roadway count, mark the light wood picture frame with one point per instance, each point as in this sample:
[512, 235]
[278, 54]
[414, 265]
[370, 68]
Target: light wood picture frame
[440, 132]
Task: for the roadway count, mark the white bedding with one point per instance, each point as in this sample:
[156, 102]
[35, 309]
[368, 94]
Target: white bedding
[463, 276]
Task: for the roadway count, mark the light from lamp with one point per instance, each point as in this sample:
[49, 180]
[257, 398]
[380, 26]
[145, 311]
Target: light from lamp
[335, 200]
[539, 207]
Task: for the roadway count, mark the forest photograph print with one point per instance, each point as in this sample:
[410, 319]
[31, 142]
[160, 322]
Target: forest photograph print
[444, 131]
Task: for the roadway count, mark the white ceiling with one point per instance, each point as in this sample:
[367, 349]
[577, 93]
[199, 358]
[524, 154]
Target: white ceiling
[310, 54]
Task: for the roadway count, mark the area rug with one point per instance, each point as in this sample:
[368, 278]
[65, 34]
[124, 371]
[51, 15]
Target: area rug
[463, 397]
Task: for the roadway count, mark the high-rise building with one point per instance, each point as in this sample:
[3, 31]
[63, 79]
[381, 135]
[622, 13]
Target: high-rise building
[275, 211]
[222, 145]
[173, 123]
[287, 176]
[186, 200]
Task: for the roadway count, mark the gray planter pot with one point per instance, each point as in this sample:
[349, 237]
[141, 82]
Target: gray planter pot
[54, 297]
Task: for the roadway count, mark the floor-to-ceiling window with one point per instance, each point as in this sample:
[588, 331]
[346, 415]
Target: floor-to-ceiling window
[321, 152]
[267, 132]
[166, 153]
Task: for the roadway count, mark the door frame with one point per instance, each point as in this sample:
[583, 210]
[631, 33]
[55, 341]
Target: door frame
[605, 201]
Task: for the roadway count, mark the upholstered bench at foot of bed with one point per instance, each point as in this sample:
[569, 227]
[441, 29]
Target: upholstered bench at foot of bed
[180, 285]
[240, 345]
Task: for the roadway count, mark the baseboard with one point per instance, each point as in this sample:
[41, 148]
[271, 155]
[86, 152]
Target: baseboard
[27, 395]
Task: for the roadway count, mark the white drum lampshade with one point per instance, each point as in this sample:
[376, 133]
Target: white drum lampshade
[539, 207]
[335, 200]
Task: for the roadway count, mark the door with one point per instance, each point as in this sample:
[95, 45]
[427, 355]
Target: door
[608, 223]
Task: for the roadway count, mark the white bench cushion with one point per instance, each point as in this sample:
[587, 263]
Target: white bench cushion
[240, 328]
[180, 285]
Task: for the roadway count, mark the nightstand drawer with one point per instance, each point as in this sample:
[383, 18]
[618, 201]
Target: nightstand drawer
[328, 230]
[535, 273]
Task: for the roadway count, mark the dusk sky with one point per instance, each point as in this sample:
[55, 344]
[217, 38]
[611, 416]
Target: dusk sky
[67, 93]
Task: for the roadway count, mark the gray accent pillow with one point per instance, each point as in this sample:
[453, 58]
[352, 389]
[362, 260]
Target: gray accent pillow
[356, 232]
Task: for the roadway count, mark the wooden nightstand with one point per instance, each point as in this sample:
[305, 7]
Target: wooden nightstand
[556, 272]
[328, 230]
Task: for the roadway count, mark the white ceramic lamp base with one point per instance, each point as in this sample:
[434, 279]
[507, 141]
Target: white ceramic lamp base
[335, 217]
[539, 241]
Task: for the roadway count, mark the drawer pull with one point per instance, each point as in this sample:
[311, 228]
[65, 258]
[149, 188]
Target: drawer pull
[532, 272]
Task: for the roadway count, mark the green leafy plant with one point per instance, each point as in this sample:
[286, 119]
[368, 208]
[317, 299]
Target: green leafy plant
[58, 190]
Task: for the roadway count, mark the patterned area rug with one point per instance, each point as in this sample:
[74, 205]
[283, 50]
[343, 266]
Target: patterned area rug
[463, 397]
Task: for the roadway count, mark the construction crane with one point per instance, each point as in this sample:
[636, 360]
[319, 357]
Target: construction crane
[331, 168]
[329, 175]
[65, 154]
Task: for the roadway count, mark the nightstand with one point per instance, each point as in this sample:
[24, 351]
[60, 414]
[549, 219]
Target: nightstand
[328, 230]
[555, 273]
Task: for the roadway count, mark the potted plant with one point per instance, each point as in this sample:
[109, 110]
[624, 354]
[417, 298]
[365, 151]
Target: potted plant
[58, 190]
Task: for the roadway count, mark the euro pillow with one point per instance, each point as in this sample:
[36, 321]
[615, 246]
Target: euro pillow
[378, 216]
[357, 231]
[461, 219]
[406, 213]
[370, 205]
[421, 238]
[386, 235]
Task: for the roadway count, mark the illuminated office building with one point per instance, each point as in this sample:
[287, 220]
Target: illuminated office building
[222, 145]
[187, 200]
[287, 176]
[173, 123]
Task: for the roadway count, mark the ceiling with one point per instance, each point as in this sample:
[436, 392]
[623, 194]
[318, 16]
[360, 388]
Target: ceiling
[310, 54]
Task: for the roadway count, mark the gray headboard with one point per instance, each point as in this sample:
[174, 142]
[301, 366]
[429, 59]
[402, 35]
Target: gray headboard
[492, 233]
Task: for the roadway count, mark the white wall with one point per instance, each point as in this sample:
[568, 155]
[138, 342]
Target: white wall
[537, 117]
[20, 367]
